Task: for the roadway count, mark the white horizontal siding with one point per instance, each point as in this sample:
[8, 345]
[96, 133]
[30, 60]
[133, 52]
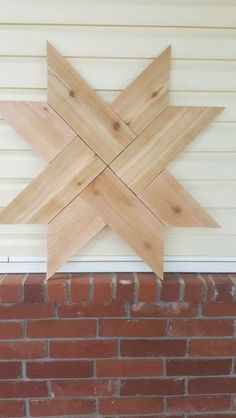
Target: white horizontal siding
[110, 42]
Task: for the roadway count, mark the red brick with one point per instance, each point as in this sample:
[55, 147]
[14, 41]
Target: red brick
[193, 288]
[106, 309]
[129, 368]
[164, 310]
[170, 289]
[26, 311]
[34, 288]
[221, 415]
[132, 327]
[199, 327]
[10, 288]
[10, 370]
[220, 309]
[102, 285]
[147, 287]
[90, 387]
[188, 404]
[85, 348]
[56, 289]
[223, 286]
[23, 389]
[212, 348]
[212, 385]
[21, 350]
[153, 348]
[151, 416]
[151, 387]
[10, 330]
[125, 287]
[59, 369]
[80, 288]
[192, 367]
[63, 328]
[113, 406]
[10, 408]
[56, 407]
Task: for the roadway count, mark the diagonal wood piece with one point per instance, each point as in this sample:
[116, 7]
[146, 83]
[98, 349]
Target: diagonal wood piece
[126, 214]
[160, 143]
[147, 96]
[39, 125]
[47, 195]
[69, 231]
[168, 200]
[79, 105]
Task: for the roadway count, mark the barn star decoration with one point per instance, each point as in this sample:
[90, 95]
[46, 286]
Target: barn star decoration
[106, 162]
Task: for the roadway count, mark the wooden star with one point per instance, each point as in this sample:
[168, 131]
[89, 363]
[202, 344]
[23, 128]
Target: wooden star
[107, 163]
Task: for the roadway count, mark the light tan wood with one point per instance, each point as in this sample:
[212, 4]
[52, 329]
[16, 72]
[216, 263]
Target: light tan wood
[126, 214]
[69, 231]
[39, 125]
[160, 143]
[47, 195]
[78, 104]
[168, 200]
[147, 96]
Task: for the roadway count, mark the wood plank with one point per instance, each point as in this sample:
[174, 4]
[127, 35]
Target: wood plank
[147, 96]
[77, 103]
[160, 143]
[124, 213]
[148, 42]
[69, 173]
[170, 203]
[39, 125]
[152, 12]
[69, 231]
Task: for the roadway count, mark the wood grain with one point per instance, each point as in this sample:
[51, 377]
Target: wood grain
[69, 231]
[124, 213]
[160, 143]
[147, 96]
[78, 104]
[39, 125]
[69, 173]
[168, 200]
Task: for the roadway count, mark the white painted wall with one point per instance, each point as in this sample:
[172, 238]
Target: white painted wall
[110, 42]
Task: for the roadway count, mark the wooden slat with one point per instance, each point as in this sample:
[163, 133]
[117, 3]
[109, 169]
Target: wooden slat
[77, 103]
[69, 232]
[168, 200]
[55, 187]
[39, 125]
[147, 96]
[124, 213]
[160, 143]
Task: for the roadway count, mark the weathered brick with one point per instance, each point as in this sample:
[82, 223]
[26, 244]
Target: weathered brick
[63, 328]
[102, 287]
[21, 350]
[105, 309]
[26, 311]
[125, 287]
[147, 287]
[10, 370]
[129, 368]
[135, 405]
[132, 327]
[80, 288]
[151, 387]
[34, 288]
[199, 327]
[220, 309]
[212, 385]
[10, 408]
[189, 404]
[23, 389]
[170, 289]
[59, 369]
[84, 348]
[193, 288]
[11, 288]
[10, 330]
[224, 287]
[56, 289]
[58, 407]
[214, 347]
[197, 367]
[153, 348]
[164, 310]
[90, 387]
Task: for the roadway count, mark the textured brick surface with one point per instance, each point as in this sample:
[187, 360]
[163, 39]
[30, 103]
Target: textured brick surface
[118, 346]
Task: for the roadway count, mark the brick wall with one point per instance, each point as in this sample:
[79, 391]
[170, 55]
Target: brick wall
[122, 345]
